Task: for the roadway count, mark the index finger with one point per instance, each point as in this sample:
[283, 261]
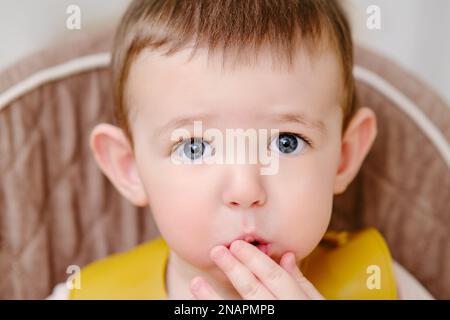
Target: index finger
[272, 275]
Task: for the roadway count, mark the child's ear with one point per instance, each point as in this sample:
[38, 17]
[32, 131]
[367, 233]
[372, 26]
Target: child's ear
[115, 157]
[356, 143]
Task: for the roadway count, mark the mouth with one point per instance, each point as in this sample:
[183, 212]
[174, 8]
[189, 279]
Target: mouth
[255, 240]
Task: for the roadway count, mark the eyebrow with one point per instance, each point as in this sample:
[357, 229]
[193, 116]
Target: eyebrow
[182, 121]
[296, 118]
[302, 119]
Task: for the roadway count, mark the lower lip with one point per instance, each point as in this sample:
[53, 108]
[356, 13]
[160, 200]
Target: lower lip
[264, 248]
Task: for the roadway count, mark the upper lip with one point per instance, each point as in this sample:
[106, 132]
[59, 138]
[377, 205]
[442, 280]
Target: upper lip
[248, 237]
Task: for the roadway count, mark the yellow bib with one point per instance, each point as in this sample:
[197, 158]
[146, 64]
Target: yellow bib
[343, 266]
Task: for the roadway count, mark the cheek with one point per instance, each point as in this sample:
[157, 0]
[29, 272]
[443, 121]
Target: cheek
[181, 202]
[305, 216]
[304, 194]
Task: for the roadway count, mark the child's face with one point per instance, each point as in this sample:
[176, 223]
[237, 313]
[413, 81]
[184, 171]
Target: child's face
[197, 207]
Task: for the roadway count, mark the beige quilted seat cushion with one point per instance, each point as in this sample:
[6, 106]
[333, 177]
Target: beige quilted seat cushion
[57, 209]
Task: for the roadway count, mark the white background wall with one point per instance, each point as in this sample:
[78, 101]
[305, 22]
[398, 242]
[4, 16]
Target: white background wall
[415, 33]
[29, 25]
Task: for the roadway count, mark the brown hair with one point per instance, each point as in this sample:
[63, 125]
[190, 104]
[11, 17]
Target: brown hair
[231, 24]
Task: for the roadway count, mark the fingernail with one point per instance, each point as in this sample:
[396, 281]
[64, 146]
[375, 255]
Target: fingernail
[236, 246]
[196, 284]
[218, 252]
[291, 258]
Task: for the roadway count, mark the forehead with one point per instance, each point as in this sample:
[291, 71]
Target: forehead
[160, 88]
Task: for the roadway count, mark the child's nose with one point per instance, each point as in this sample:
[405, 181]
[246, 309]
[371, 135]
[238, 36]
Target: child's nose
[244, 187]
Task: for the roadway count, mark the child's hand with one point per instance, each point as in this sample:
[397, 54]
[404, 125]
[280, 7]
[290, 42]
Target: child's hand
[256, 276]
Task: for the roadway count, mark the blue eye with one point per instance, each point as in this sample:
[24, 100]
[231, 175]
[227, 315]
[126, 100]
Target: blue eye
[288, 143]
[193, 149]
